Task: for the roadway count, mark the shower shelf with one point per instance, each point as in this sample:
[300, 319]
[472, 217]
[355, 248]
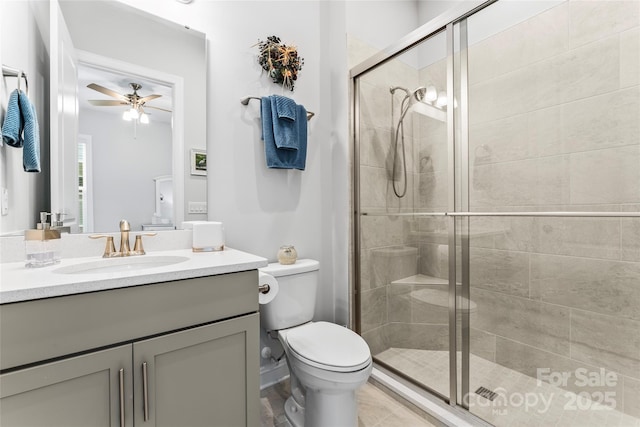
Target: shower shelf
[421, 279]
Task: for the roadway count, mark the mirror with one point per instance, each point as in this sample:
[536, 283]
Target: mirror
[108, 168]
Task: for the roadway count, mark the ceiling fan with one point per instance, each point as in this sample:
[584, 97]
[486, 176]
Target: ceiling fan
[136, 102]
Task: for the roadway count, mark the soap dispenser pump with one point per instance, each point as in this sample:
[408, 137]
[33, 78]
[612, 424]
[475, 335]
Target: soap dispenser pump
[42, 245]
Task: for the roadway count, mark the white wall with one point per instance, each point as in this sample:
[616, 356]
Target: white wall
[27, 21]
[264, 208]
[124, 167]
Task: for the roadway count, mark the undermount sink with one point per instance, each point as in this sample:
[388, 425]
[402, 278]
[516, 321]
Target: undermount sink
[124, 264]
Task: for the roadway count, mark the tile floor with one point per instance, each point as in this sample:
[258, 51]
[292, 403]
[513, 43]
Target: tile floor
[547, 404]
[375, 408]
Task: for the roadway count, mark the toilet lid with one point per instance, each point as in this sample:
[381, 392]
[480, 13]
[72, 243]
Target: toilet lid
[329, 345]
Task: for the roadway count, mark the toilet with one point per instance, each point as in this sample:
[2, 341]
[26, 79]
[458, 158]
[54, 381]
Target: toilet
[327, 362]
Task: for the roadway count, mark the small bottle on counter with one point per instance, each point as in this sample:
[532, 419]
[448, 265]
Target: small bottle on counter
[42, 245]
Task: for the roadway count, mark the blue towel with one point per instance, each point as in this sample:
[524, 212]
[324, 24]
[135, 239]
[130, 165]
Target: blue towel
[301, 159]
[21, 118]
[31, 149]
[285, 107]
[13, 124]
[284, 129]
[282, 158]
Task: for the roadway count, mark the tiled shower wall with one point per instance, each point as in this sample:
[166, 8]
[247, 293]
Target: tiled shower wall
[554, 126]
[380, 263]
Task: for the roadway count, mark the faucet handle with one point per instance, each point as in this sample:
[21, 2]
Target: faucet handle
[137, 247]
[110, 247]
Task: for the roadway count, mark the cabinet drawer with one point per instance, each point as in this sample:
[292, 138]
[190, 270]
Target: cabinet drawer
[38, 330]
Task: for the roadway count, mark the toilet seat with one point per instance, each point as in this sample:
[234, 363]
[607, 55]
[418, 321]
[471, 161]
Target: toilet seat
[328, 346]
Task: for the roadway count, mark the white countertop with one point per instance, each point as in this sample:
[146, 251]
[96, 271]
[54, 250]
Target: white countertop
[18, 283]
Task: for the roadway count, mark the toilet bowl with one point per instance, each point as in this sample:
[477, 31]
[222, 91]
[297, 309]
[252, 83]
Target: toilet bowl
[327, 362]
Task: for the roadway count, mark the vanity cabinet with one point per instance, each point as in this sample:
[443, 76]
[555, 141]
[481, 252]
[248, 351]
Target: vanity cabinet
[167, 354]
[74, 392]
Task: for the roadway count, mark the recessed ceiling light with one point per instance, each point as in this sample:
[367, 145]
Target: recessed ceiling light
[184, 1]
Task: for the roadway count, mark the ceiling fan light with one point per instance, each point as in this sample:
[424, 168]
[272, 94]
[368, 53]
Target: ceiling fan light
[126, 116]
[134, 113]
[144, 118]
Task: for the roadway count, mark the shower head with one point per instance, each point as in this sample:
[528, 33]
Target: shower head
[419, 93]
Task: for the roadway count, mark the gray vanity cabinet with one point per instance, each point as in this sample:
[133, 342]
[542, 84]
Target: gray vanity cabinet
[82, 391]
[181, 353]
[196, 377]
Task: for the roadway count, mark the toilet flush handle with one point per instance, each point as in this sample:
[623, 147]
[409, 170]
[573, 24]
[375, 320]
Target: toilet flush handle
[264, 289]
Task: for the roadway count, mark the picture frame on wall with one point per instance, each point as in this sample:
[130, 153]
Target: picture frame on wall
[198, 162]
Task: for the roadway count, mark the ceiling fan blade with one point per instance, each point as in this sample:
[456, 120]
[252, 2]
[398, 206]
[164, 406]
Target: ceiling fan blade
[158, 108]
[149, 98]
[106, 91]
[107, 103]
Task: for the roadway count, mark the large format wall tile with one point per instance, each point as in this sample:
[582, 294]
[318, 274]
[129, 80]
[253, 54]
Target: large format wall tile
[418, 336]
[546, 181]
[500, 271]
[375, 106]
[586, 71]
[379, 231]
[617, 179]
[375, 148]
[537, 324]
[483, 344]
[373, 184]
[500, 141]
[524, 43]
[606, 341]
[393, 263]
[373, 308]
[631, 397]
[399, 302]
[431, 191]
[595, 20]
[603, 121]
[630, 235]
[630, 57]
[376, 339]
[601, 286]
[586, 237]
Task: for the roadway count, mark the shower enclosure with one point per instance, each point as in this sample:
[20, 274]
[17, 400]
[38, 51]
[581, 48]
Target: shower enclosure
[497, 210]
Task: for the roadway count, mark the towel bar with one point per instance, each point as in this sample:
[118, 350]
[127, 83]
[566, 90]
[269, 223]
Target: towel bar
[245, 101]
[14, 72]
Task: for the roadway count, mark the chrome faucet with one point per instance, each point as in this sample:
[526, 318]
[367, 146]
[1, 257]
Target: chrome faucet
[125, 248]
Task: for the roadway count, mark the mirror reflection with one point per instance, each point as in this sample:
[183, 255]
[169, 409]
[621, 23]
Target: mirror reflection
[133, 123]
[124, 151]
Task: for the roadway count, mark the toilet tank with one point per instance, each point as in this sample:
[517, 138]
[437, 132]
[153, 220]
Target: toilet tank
[295, 302]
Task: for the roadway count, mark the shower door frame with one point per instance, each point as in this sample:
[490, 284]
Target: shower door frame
[454, 23]
[443, 23]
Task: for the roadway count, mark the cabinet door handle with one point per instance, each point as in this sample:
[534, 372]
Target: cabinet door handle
[145, 391]
[121, 380]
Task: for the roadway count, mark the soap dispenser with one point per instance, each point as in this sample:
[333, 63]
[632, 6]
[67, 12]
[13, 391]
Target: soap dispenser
[42, 245]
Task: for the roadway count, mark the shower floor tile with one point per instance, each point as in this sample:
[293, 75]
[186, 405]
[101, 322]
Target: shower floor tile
[375, 408]
[520, 400]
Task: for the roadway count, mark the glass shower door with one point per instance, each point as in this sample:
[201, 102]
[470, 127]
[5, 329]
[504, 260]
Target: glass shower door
[402, 194]
[553, 261]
